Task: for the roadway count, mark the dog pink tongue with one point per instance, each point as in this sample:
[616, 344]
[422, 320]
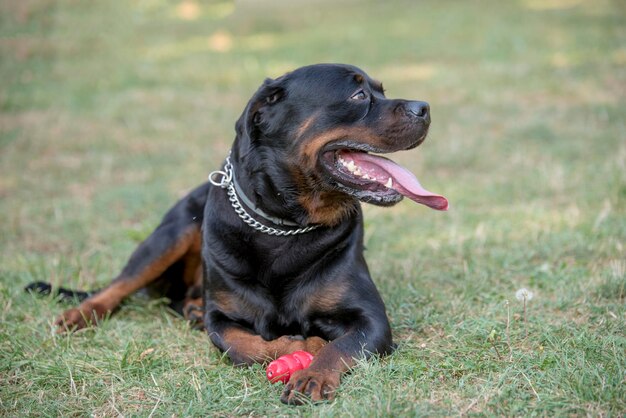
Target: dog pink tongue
[381, 169]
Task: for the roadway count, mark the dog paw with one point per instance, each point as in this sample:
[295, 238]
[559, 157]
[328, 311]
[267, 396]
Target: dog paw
[308, 384]
[86, 315]
[194, 314]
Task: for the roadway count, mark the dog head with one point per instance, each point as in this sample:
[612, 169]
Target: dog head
[311, 137]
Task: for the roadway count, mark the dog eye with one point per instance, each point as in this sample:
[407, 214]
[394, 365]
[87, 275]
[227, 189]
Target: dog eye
[273, 98]
[360, 95]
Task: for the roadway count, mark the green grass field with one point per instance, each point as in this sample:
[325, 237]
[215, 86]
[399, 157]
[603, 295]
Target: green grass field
[110, 111]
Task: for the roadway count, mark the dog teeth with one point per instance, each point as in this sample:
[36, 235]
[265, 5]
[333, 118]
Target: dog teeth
[389, 183]
[354, 169]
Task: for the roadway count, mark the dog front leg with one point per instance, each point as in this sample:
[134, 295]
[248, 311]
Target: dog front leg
[244, 347]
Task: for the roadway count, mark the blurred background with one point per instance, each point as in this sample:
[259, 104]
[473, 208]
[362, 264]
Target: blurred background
[112, 110]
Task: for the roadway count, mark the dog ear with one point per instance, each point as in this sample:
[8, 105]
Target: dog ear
[251, 122]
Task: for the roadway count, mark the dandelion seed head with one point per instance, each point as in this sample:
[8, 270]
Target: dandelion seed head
[523, 294]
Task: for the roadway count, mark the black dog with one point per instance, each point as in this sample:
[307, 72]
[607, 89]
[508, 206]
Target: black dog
[268, 255]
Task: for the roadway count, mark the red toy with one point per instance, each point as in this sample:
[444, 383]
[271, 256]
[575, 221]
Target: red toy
[281, 369]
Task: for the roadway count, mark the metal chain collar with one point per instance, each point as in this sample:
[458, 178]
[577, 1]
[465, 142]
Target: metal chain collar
[226, 182]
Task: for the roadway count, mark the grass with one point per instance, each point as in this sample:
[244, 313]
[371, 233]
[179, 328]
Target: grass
[110, 111]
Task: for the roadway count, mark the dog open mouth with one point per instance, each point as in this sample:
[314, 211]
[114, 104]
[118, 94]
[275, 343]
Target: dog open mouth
[375, 179]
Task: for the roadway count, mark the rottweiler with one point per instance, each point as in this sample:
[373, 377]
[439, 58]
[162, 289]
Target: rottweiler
[267, 256]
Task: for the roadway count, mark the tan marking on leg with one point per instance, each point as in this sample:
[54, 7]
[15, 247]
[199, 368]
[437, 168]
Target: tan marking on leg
[97, 306]
[193, 261]
[248, 348]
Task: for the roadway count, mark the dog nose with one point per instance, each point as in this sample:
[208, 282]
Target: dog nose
[419, 109]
